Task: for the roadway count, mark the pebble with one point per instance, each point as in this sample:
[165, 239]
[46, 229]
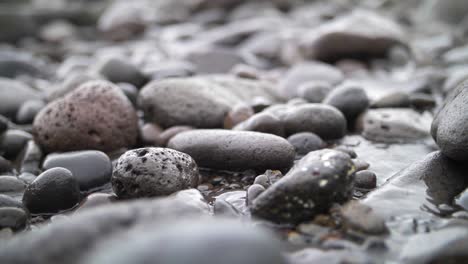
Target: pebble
[234, 241]
[393, 100]
[121, 21]
[389, 125]
[52, 191]
[361, 218]
[314, 91]
[213, 60]
[150, 134]
[359, 33]
[8, 201]
[201, 102]
[149, 172]
[305, 142]
[11, 184]
[366, 179]
[12, 142]
[450, 123]
[4, 124]
[90, 168]
[318, 180]
[262, 122]
[253, 192]
[171, 132]
[5, 165]
[97, 115]
[462, 200]
[28, 110]
[305, 73]
[350, 100]
[97, 199]
[11, 102]
[235, 150]
[238, 114]
[130, 91]
[325, 121]
[14, 218]
[120, 70]
[31, 158]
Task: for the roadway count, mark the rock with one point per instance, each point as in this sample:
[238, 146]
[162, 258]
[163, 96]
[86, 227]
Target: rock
[120, 70]
[318, 180]
[14, 64]
[97, 115]
[450, 123]
[366, 179]
[150, 134]
[130, 91]
[262, 122]
[324, 120]
[83, 231]
[314, 91]
[419, 189]
[393, 100]
[357, 34]
[213, 60]
[305, 142]
[422, 101]
[449, 11]
[27, 177]
[52, 191]
[14, 218]
[123, 20]
[8, 201]
[11, 184]
[235, 150]
[28, 110]
[201, 102]
[361, 218]
[149, 172]
[13, 142]
[4, 124]
[394, 125]
[237, 115]
[235, 243]
[5, 165]
[304, 73]
[97, 199]
[90, 168]
[171, 132]
[441, 246]
[350, 100]
[31, 158]
[253, 192]
[462, 199]
[13, 94]
[71, 82]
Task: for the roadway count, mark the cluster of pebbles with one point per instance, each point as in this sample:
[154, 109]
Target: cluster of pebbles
[233, 131]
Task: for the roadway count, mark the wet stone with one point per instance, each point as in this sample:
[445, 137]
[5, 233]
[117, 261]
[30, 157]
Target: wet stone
[52, 191]
[318, 180]
[366, 179]
[235, 150]
[91, 168]
[306, 142]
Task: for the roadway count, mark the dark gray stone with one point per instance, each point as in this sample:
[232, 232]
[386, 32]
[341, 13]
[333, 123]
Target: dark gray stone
[149, 172]
[11, 184]
[13, 94]
[192, 241]
[262, 122]
[451, 123]
[350, 100]
[12, 142]
[318, 180]
[314, 91]
[52, 191]
[235, 150]
[14, 218]
[120, 70]
[366, 179]
[79, 234]
[28, 110]
[324, 120]
[91, 168]
[31, 158]
[305, 142]
[7, 201]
